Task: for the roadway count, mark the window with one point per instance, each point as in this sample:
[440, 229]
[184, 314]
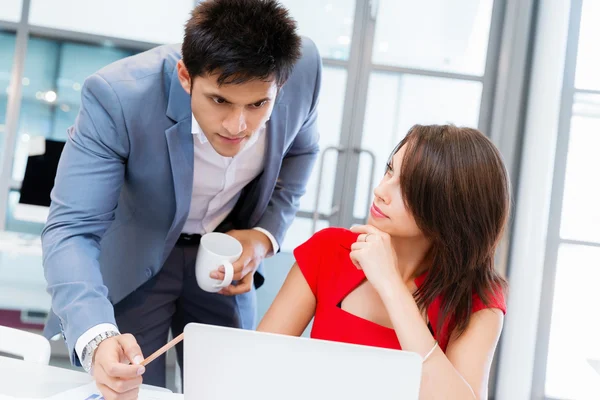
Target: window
[154, 22]
[7, 51]
[396, 102]
[329, 23]
[11, 10]
[588, 62]
[573, 358]
[441, 35]
[54, 74]
[52, 80]
[580, 219]
[574, 349]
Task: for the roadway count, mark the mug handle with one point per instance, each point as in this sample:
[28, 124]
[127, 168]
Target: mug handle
[228, 275]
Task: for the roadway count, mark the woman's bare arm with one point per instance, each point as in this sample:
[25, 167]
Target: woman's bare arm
[293, 307]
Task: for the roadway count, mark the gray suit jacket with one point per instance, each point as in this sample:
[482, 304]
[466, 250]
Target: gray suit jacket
[124, 182]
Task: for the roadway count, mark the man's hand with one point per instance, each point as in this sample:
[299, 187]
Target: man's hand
[256, 246]
[115, 379]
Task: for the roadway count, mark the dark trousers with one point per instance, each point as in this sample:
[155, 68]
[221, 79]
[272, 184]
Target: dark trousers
[172, 299]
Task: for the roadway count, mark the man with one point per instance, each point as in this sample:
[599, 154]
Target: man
[168, 146]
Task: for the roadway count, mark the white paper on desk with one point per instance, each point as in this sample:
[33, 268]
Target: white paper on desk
[90, 392]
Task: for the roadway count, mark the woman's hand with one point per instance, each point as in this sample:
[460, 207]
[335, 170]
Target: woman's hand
[374, 254]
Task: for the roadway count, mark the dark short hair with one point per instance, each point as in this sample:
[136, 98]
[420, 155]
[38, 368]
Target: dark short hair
[241, 40]
[456, 187]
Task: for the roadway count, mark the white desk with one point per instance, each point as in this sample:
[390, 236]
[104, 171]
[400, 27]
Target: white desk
[22, 379]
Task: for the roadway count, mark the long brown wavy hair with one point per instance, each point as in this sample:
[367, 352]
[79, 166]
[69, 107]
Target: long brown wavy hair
[455, 185]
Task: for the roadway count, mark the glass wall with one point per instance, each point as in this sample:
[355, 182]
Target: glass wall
[153, 22]
[330, 25]
[57, 60]
[438, 78]
[11, 10]
[437, 35]
[404, 84]
[396, 102]
[53, 75]
[378, 81]
[573, 359]
[56, 46]
[386, 66]
[7, 50]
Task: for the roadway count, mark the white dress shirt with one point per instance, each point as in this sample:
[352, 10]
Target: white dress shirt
[218, 182]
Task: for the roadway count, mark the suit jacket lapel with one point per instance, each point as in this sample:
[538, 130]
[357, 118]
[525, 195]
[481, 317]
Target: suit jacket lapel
[276, 131]
[180, 144]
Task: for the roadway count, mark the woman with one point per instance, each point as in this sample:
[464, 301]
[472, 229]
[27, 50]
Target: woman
[420, 276]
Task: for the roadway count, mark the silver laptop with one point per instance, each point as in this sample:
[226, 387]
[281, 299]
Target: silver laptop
[232, 364]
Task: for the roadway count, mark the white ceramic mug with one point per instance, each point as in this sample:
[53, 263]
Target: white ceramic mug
[216, 249]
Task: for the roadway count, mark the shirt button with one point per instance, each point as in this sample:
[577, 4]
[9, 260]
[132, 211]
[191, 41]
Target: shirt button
[148, 272]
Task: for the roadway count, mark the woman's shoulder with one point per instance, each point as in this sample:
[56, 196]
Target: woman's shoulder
[335, 237]
[495, 298]
[325, 246]
[322, 256]
[326, 242]
[488, 298]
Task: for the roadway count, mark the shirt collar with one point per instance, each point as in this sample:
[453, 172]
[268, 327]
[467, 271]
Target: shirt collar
[196, 130]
